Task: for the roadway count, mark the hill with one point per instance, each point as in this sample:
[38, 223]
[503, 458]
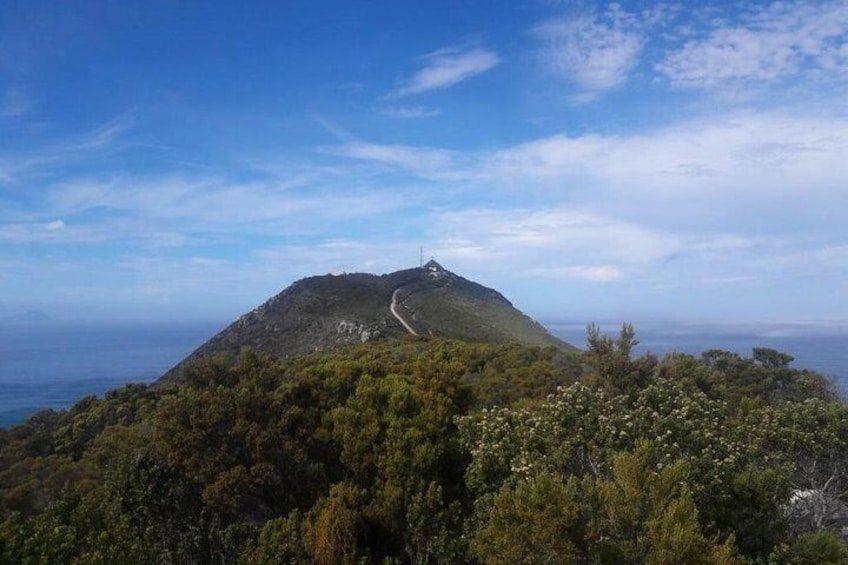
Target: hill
[324, 313]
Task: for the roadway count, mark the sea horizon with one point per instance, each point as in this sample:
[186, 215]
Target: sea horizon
[55, 364]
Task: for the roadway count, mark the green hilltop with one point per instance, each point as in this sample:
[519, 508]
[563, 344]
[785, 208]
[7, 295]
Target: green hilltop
[325, 313]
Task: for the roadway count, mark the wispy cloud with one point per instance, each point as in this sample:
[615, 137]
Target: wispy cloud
[756, 153]
[558, 244]
[427, 162]
[209, 200]
[593, 274]
[596, 53]
[521, 243]
[340, 255]
[332, 128]
[568, 243]
[72, 148]
[409, 112]
[447, 67]
[34, 232]
[169, 211]
[785, 39]
[100, 137]
[711, 172]
[810, 260]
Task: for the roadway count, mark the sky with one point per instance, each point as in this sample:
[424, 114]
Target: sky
[179, 160]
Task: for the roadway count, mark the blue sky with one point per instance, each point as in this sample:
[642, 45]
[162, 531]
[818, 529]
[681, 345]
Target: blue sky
[633, 161]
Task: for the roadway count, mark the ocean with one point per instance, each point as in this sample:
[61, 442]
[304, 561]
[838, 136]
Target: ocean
[49, 365]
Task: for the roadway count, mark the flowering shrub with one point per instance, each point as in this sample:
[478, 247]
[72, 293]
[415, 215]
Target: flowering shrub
[578, 430]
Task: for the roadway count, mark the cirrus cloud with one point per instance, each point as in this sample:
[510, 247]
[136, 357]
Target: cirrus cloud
[446, 67]
[595, 53]
[769, 45]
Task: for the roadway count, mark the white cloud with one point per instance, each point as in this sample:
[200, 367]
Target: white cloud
[597, 274]
[409, 112]
[809, 260]
[100, 137]
[208, 262]
[59, 233]
[54, 231]
[730, 280]
[77, 148]
[773, 44]
[148, 279]
[340, 255]
[559, 244]
[762, 156]
[178, 211]
[447, 67]
[210, 201]
[427, 162]
[726, 244]
[597, 54]
[560, 241]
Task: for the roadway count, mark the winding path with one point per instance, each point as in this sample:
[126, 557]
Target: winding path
[393, 308]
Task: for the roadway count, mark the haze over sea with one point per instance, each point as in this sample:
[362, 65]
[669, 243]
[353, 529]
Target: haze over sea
[53, 365]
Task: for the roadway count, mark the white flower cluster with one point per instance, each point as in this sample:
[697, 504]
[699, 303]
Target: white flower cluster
[579, 429]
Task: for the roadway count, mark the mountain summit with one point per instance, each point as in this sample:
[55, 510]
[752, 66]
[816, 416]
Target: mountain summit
[327, 312]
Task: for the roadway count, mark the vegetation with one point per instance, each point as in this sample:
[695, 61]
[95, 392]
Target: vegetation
[428, 451]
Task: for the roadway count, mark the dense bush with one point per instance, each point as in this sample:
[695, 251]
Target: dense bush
[431, 451]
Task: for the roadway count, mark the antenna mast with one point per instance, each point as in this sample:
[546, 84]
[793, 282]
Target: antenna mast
[421, 257]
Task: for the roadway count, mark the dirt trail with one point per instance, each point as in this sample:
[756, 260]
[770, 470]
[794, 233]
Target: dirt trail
[393, 308]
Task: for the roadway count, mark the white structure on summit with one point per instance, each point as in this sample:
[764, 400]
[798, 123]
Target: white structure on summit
[434, 269]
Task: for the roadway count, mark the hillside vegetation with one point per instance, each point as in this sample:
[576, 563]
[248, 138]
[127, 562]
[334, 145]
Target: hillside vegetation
[326, 313]
[424, 450]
